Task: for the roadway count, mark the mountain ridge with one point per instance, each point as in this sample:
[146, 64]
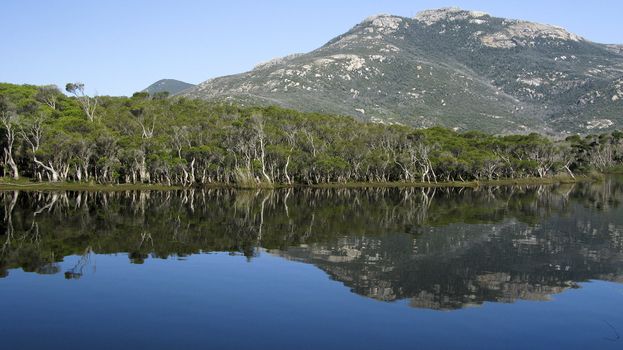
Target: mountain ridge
[461, 69]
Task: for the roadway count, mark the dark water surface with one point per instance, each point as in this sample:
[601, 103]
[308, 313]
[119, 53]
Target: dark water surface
[536, 267]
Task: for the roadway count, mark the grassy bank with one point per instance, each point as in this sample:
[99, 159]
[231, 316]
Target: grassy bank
[28, 185]
[501, 182]
[615, 170]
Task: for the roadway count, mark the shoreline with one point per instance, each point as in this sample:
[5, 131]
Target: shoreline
[77, 186]
[24, 185]
[464, 184]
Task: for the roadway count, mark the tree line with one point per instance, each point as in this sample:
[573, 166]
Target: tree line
[47, 135]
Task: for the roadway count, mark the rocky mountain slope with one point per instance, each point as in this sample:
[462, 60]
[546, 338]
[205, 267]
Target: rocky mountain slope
[461, 69]
[171, 86]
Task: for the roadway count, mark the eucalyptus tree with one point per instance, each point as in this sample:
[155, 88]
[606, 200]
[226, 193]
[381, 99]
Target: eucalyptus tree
[8, 118]
[258, 127]
[89, 104]
[31, 132]
[153, 139]
[48, 95]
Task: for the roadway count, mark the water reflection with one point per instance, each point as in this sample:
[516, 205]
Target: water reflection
[440, 248]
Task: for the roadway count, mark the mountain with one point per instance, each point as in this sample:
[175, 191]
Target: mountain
[171, 86]
[461, 69]
[616, 48]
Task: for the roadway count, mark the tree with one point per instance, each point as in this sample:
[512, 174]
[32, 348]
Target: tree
[192, 142]
[49, 95]
[258, 126]
[146, 117]
[89, 104]
[9, 122]
[31, 132]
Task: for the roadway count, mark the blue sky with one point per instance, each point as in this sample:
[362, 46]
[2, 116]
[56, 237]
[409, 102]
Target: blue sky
[119, 47]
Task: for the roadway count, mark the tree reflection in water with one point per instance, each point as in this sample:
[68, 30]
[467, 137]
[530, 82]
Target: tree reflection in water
[441, 248]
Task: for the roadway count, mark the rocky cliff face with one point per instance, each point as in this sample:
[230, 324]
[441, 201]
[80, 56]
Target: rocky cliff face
[461, 69]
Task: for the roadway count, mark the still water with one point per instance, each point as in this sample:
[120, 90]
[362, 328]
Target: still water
[537, 267]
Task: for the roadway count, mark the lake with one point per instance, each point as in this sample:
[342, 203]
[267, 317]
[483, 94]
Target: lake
[537, 267]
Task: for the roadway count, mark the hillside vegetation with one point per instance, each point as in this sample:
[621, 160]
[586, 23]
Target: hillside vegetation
[47, 136]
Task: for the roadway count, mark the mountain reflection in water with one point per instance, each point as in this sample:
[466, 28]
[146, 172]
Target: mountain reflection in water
[444, 248]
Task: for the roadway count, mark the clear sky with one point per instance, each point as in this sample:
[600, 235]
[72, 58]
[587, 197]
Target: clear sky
[117, 47]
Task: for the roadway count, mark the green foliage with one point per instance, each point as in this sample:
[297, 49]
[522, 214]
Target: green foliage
[149, 139]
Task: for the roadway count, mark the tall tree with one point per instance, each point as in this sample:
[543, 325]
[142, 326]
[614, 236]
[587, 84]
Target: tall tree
[9, 121]
[8, 118]
[89, 104]
[48, 95]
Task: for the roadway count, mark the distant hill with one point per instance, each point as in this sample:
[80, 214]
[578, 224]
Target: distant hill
[171, 86]
[461, 69]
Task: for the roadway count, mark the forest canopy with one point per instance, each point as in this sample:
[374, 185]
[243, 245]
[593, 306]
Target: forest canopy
[46, 135]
